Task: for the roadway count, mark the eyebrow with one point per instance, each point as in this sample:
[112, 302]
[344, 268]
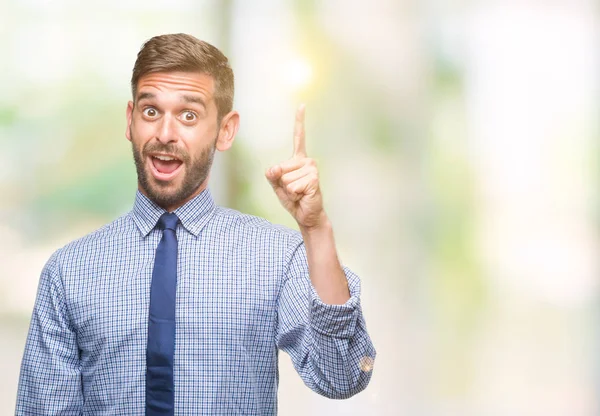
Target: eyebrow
[194, 99]
[145, 95]
[187, 98]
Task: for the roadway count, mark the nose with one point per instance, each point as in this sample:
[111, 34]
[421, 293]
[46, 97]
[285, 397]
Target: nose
[166, 130]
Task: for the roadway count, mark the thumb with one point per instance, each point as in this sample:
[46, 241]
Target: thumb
[273, 174]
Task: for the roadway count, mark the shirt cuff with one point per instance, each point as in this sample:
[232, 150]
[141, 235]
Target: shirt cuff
[337, 321]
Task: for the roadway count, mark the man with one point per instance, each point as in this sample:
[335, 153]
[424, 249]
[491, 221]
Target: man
[180, 306]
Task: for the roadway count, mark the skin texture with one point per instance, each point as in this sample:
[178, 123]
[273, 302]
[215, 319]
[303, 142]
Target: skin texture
[174, 115]
[296, 184]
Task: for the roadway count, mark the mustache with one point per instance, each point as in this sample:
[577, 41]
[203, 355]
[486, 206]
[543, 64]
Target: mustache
[157, 147]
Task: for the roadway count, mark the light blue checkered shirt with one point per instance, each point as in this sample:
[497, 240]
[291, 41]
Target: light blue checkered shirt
[243, 293]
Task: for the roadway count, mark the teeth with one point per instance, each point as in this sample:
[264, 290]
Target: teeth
[164, 157]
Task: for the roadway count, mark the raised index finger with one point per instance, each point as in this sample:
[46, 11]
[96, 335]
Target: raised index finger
[299, 141]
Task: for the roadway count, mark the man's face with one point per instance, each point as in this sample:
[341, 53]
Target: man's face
[174, 133]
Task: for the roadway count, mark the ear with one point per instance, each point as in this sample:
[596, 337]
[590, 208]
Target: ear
[129, 118]
[229, 127]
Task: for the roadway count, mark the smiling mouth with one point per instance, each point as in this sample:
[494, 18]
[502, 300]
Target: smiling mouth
[165, 167]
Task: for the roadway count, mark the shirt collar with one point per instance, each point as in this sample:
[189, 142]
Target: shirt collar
[193, 215]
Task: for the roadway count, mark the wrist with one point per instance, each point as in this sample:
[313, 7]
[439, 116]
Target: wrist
[321, 226]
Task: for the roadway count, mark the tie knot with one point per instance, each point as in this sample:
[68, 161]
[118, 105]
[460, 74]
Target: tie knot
[168, 221]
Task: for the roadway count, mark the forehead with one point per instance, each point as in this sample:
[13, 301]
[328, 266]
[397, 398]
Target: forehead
[177, 82]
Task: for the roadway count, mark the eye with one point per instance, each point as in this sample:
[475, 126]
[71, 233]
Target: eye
[150, 112]
[189, 116]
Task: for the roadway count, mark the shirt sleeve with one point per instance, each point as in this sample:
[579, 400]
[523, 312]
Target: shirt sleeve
[328, 344]
[50, 380]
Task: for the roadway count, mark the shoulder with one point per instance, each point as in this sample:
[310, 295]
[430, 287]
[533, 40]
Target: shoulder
[100, 240]
[252, 225]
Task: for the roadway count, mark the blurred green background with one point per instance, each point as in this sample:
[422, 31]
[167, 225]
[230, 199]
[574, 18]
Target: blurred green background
[458, 149]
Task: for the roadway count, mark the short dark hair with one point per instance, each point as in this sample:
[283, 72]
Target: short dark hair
[182, 52]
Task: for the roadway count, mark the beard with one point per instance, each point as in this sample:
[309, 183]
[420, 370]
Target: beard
[165, 194]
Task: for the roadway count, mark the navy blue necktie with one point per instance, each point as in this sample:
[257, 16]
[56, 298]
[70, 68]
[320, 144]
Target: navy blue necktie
[160, 390]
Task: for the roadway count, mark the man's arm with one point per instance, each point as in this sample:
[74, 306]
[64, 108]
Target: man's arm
[50, 380]
[296, 183]
[320, 322]
[326, 273]
[328, 344]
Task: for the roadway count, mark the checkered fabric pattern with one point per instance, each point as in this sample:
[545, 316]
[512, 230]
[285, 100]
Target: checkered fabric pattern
[243, 294]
